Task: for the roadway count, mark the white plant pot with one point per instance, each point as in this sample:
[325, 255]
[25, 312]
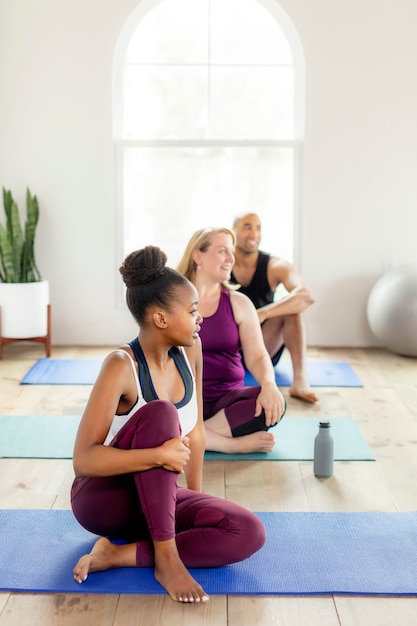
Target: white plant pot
[24, 309]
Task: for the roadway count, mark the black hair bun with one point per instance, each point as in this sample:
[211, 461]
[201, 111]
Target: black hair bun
[143, 266]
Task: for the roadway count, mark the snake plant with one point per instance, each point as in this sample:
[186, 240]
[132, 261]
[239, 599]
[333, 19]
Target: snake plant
[17, 246]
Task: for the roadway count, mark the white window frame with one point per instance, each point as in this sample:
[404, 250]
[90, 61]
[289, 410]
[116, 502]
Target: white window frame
[276, 11]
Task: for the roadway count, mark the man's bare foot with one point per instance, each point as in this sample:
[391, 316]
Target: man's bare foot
[104, 555]
[260, 441]
[303, 393]
[174, 577]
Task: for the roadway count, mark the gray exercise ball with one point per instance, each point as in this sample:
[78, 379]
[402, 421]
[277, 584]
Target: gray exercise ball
[392, 310]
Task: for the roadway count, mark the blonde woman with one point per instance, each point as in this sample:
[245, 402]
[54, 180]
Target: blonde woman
[237, 419]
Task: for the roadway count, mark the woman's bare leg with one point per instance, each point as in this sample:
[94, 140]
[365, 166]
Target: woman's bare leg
[219, 437]
[174, 577]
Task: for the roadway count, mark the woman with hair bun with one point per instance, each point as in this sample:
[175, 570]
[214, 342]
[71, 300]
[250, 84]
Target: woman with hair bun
[141, 428]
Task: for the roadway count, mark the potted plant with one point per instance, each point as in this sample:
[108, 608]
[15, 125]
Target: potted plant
[24, 296]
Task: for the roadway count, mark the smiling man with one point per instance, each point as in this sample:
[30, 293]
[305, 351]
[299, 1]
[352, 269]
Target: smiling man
[259, 274]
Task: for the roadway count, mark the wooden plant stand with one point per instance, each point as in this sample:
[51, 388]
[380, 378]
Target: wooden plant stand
[46, 339]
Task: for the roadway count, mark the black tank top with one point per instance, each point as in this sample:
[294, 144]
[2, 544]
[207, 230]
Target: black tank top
[258, 289]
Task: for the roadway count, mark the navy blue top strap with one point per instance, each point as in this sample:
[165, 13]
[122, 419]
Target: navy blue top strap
[146, 384]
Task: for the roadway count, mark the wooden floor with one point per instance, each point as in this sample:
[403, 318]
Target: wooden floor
[386, 411]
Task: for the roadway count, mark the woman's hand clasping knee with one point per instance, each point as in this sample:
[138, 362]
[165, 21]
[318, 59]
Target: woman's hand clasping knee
[175, 454]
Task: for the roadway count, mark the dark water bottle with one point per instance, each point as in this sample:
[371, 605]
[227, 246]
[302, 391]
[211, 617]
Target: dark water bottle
[323, 451]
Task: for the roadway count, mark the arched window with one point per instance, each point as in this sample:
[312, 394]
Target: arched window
[208, 121]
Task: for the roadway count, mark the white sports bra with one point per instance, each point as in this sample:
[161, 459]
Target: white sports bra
[187, 407]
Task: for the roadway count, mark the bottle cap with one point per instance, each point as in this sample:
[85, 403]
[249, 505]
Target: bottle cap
[324, 424]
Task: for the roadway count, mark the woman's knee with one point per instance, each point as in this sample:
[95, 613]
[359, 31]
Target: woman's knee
[162, 421]
[257, 532]
[164, 410]
[149, 426]
[245, 533]
[253, 534]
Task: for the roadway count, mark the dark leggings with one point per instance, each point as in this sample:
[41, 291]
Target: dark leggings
[149, 505]
[239, 407]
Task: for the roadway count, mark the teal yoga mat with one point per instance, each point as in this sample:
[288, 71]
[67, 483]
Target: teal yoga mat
[294, 441]
[84, 372]
[38, 436]
[305, 553]
[53, 436]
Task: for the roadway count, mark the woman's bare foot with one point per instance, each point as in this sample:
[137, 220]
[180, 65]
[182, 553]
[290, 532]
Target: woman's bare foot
[260, 441]
[174, 577]
[170, 571]
[104, 555]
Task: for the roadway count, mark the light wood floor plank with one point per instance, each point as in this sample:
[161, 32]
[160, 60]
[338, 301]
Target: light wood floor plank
[57, 609]
[282, 486]
[160, 610]
[383, 611]
[3, 599]
[31, 483]
[282, 611]
[354, 486]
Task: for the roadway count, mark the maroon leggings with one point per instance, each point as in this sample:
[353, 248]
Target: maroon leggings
[239, 407]
[149, 505]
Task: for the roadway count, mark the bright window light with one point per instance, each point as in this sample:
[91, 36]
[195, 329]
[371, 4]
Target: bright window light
[207, 122]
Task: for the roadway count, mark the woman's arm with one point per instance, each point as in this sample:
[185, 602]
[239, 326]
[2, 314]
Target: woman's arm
[116, 386]
[257, 358]
[194, 468]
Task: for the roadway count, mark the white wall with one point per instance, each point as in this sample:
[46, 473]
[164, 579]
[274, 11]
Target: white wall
[360, 159]
[359, 163]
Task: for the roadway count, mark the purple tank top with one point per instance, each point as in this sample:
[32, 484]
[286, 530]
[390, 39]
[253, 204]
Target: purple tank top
[222, 362]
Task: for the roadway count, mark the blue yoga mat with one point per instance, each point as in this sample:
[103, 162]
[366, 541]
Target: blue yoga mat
[319, 373]
[53, 436]
[84, 372]
[305, 553]
[63, 372]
